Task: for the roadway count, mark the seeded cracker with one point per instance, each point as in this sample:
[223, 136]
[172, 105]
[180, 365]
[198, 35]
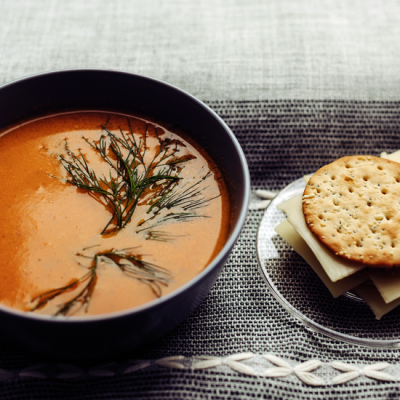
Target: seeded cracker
[353, 207]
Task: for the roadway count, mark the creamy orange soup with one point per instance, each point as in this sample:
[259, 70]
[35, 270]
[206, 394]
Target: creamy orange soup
[51, 230]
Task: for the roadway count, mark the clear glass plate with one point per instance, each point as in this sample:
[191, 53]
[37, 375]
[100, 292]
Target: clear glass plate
[296, 286]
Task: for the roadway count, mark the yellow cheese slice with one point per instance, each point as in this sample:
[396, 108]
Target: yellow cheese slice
[336, 267]
[367, 292]
[388, 284]
[289, 235]
[392, 156]
[372, 297]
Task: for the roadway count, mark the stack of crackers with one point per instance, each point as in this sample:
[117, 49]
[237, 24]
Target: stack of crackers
[346, 225]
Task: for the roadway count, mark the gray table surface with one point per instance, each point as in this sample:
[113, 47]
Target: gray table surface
[218, 50]
[215, 49]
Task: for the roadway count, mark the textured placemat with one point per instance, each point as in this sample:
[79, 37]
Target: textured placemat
[215, 49]
[240, 321]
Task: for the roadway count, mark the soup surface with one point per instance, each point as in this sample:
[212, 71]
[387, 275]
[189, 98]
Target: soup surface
[102, 212]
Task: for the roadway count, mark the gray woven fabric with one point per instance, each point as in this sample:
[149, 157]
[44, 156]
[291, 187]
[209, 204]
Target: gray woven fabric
[234, 54]
[215, 49]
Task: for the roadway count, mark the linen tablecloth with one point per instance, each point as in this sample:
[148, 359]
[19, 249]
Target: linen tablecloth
[287, 76]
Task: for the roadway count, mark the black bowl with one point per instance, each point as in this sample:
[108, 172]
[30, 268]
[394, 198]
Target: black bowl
[116, 333]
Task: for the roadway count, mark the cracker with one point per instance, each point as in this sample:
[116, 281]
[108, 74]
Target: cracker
[353, 207]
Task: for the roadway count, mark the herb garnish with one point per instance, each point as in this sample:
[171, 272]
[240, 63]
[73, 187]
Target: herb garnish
[130, 264]
[132, 177]
[129, 177]
[161, 236]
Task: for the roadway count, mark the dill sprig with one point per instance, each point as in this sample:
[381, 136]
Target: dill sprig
[161, 236]
[187, 197]
[130, 264]
[134, 267]
[180, 217]
[82, 298]
[129, 176]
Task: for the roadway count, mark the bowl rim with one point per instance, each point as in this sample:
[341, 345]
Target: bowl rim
[213, 264]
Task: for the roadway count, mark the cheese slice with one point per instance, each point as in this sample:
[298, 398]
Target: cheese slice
[392, 156]
[387, 283]
[372, 297]
[289, 235]
[336, 267]
[370, 294]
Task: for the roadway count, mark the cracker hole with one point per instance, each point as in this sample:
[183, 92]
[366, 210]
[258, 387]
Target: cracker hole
[333, 177]
[318, 190]
[380, 168]
[320, 216]
[335, 202]
[365, 178]
[348, 166]
[351, 190]
[397, 179]
[393, 244]
[388, 216]
[369, 204]
[384, 191]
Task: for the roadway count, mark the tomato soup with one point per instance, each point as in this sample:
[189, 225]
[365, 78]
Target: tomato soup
[102, 212]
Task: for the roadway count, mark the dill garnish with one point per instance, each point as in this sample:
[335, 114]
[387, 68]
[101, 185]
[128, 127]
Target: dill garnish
[134, 177]
[186, 197]
[82, 298]
[130, 264]
[129, 176]
[181, 217]
[161, 236]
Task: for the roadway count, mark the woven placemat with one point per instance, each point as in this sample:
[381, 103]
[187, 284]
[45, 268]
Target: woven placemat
[242, 329]
[214, 49]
